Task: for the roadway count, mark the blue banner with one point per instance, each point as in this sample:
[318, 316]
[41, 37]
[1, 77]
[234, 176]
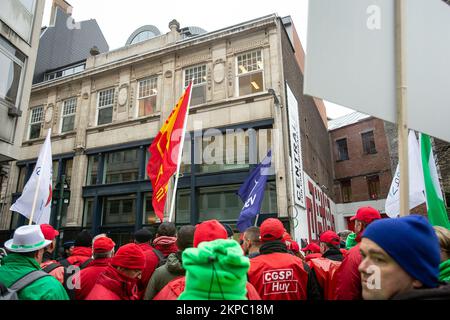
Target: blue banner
[252, 193]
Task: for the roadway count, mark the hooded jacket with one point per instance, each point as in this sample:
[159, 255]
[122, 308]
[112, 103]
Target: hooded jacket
[79, 255]
[151, 262]
[444, 271]
[164, 274]
[89, 276]
[216, 270]
[351, 241]
[113, 285]
[175, 287]
[15, 266]
[348, 278]
[440, 293]
[166, 245]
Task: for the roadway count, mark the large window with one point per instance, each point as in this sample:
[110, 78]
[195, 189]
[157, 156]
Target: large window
[346, 190]
[36, 119]
[121, 166]
[222, 203]
[11, 63]
[92, 170]
[198, 76]
[148, 92]
[373, 185]
[88, 212]
[68, 115]
[105, 106]
[64, 72]
[119, 210]
[149, 214]
[368, 141]
[183, 206]
[250, 73]
[342, 150]
[233, 149]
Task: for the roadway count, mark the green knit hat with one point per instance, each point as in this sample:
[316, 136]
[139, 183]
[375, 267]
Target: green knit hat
[216, 270]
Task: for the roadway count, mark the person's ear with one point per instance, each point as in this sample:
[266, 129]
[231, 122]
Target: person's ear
[417, 284]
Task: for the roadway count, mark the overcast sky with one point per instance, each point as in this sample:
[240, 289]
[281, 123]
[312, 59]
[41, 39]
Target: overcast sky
[118, 19]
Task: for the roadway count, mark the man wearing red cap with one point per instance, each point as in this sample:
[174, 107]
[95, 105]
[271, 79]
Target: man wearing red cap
[118, 281]
[275, 273]
[348, 285]
[324, 268]
[206, 231]
[311, 251]
[48, 264]
[103, 252]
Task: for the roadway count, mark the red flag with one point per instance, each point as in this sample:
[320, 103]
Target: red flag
[164, 153]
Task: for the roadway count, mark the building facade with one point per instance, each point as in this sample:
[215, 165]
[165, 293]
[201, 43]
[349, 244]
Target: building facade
[362, 165]
[20, 25]
[246, 77]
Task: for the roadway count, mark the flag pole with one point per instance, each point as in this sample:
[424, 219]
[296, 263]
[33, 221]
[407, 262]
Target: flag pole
[180, 154]
[33, 208]
[402, 116]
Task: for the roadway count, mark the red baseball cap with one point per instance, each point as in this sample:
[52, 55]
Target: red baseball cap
[49, 232]
[366, 215]
[271, 229]
[209, 231]
[103, 244]
[330, 237]
[313, 247]
[294, 247]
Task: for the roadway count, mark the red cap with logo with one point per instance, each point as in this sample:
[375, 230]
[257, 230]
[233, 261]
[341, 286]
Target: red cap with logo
[330, 237]
[366, 215]
[49, 232]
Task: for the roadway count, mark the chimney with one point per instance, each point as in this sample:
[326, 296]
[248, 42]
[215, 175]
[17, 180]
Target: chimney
[62, 5]
[174, 33]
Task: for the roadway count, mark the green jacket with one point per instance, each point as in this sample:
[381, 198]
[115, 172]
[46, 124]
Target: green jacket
[444, 271]
[14, 266]
[216, 270]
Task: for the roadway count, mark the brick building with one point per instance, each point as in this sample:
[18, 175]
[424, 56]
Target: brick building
[362, 164]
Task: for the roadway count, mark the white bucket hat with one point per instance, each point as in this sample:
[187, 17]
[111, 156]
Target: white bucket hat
[27, 239]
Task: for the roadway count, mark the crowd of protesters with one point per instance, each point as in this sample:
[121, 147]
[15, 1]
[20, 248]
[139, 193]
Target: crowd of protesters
[399, 259]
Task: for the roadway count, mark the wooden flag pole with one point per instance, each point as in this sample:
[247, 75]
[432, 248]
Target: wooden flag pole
[180, 154]
[402, 115]
[33, 208]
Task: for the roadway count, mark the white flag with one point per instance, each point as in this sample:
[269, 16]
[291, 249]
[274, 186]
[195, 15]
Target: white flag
[37, 193]
[416, 182]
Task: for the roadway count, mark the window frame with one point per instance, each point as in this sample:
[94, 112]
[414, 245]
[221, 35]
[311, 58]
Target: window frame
[237, 88]
[375, 180]
[30, 123]
[341, 183]
[368, 142]
[155, 77]
[98, 108]
[205, 83]
[338, 153]
[63, 116]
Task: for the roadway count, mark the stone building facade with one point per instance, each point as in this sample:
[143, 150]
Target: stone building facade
[104, 118]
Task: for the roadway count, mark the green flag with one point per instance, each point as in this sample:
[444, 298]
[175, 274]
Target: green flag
[437, 213]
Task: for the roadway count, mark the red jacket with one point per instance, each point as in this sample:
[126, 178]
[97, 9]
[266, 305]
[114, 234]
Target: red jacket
[325, 271]
[89, 276]
[151, 262]
[311, 256]
[175, 287]
[278, 276]
[348, 284]
[58, 272]
[166, 245]
[113, 285]
[79, 255]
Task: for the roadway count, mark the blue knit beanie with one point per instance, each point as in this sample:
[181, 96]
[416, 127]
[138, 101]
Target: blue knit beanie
[412, 243]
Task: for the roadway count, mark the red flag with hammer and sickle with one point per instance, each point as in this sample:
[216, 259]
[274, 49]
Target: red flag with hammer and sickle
[164, 153]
